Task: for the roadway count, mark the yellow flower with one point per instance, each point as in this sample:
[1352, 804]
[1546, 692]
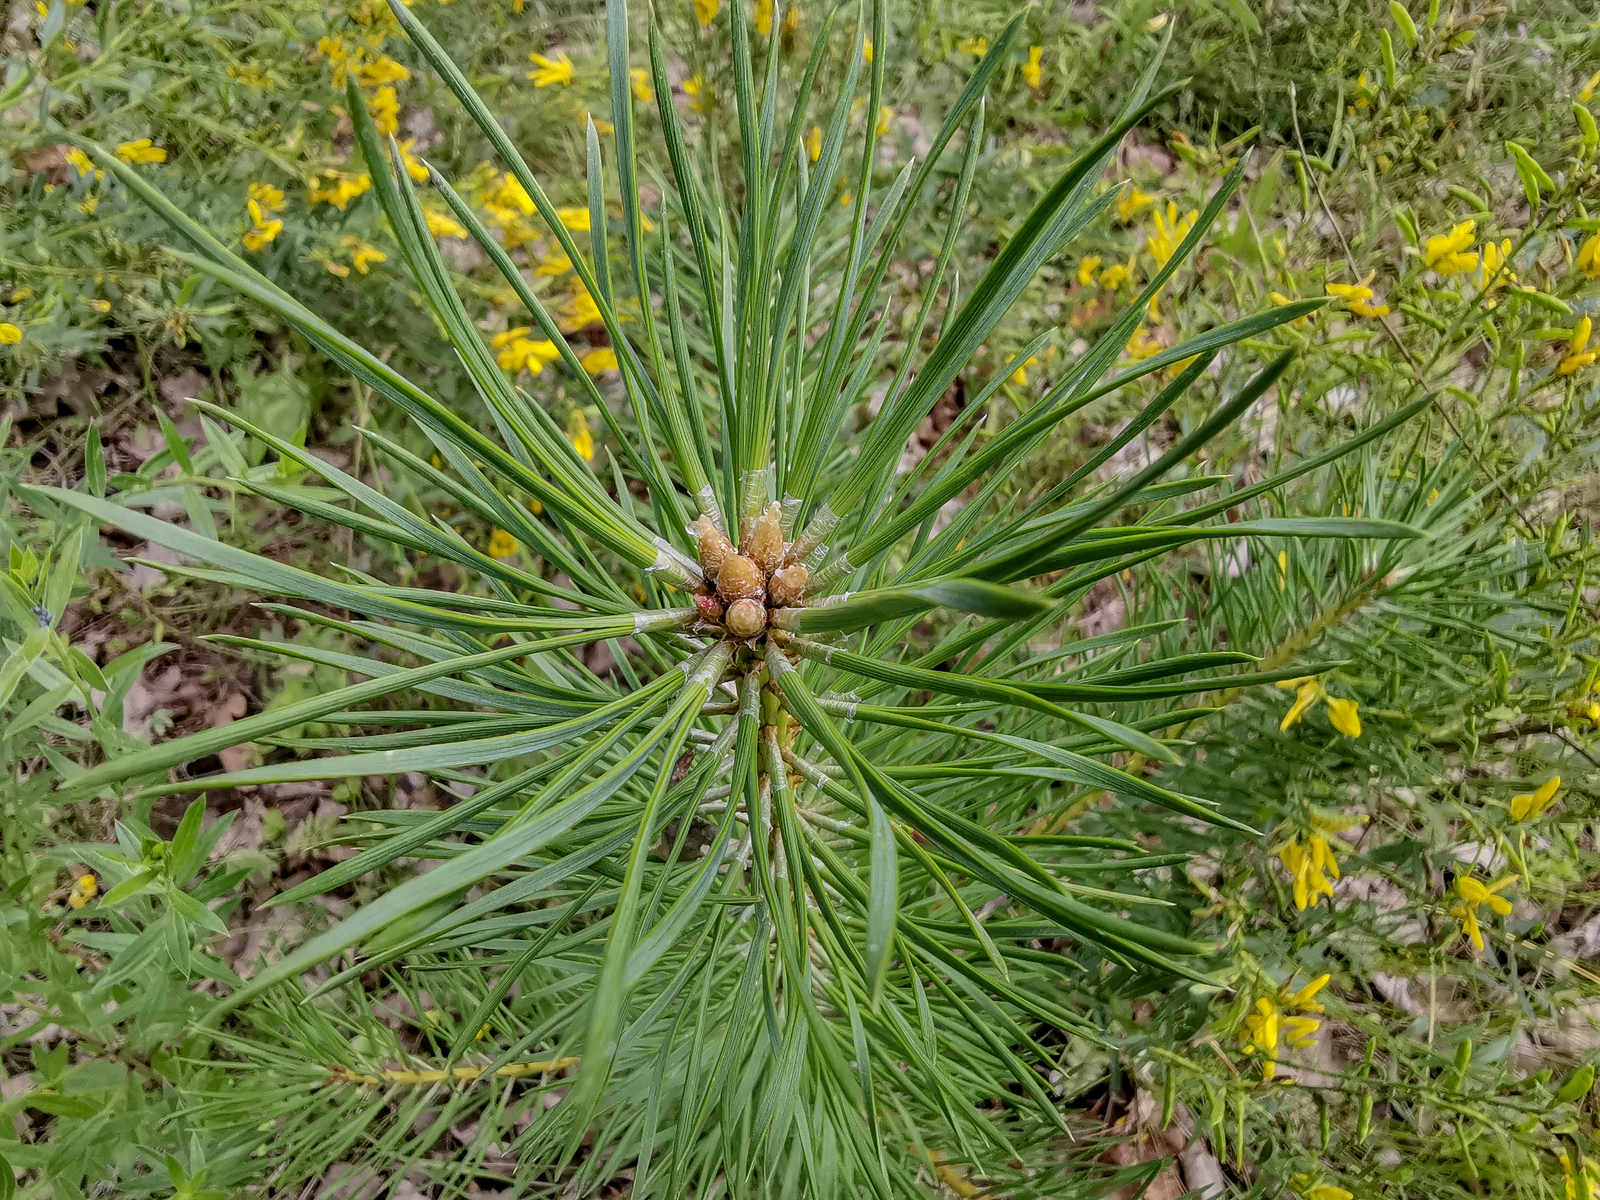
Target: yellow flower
[263, 228]
[975, 46]
[83, 165]
[1020, 375]
[1578, 353]
[99, 305]
[414, 165]
[866, 50]
[364, 255]
[519, 352]
[1169, 234]
[1447, 253]
[1087, 268]
[1494, 267]
[268, 197]
[1587, 94]
[575, 218]
[1260, 1035]
[1283, 570]
[1529, 807]
[83, 891]
[10, 335]
[557, 264]
[581, 311]
[1310, 1190]
[701, 97]
[340, 189]
[1342, 715]
[334, 266]
[1473, 896]
[1305, 999]
[501, 545]
[764, 17]
[1157, 23]
[580, 437]
[1132, 203]
[385, 108]
[141, 151]
[1143, 344]
[442, 226]
[1032, 72]
[791, 27]
[1116, 274]
[1311, 865]
[380, 71]
[814, 145]
[557, 68]
[1356, 295]
[884, 115]
[1279, 300]
[602, 359]
[1589, 256]
[640, 82]
[705, 11]
[508, 200]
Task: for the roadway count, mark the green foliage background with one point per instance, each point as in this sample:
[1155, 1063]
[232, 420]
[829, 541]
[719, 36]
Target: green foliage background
[1472, 653]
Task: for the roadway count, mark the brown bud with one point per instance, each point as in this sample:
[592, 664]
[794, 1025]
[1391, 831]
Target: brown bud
[713, 546]
[765, 544]
[746, 618]
[740, 579]
[710, 607]
[787, 587]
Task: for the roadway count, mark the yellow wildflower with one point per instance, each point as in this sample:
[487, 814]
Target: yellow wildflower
[365, 255]
[975, 46]
[1356, 295]
[1279, 299]
[1309, 1189]
[791, 27]
[519, 352]
[553, 69]
[340, 189]
[99, 304]
[334, 266]
[640, 82]
[575, 218]
[1087, 268]
[1447, 253]
[1143, 344]
[885, 113]
[1020, 375]
[1032, 70]
[1116, 274]
[81, 163]
[705, 11]
[580, 437]
[507, 200]
[84, 890]
[1283, 570]
[1342, 715]
[141, 151]
[701, 97]
[1589, 256]
[1260, 1035]
[557, 264]
[262, 228]
[582, 311]
[814, 145]
[1578, 353]
[10, 335]
[441, 225]
[1587, 94]
[1305, 999]
[385, 109]
[601, 359]
[1585, 1185]
[1473, 896]
[501, 545]
[764, 17]
[1132, 203]
[268, 197]
[1313, 867]
[380, 71]
[1529, 807]
[415, 167]
[1169, 234]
